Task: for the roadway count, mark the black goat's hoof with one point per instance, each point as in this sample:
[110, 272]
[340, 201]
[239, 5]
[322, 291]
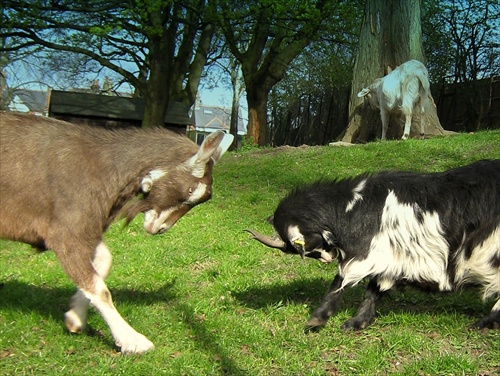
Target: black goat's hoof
[314, 325]
[355, 324]
[485, 323]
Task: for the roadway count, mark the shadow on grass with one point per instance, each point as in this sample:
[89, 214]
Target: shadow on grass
[400, 299]
[54, 301]
[208, 341]
[298, 292]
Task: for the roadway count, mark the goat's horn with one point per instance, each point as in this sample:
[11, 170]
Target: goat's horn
[363, 92]
[268, 240]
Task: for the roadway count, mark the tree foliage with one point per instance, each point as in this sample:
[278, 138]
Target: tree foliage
[462, 45]
[265, 37]
[461, 39]
[299, 52]
[158, 46]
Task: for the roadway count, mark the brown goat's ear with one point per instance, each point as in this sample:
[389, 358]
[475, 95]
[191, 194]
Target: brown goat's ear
[226, 142]
[214, 145]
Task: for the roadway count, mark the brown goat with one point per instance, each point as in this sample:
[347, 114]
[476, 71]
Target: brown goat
[62, 185]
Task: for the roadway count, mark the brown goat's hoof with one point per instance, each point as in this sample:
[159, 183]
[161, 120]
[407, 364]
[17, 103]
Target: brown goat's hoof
[73, 322]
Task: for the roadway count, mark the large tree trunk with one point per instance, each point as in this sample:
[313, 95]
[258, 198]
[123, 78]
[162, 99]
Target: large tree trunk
[391, 34]
[175, 65]
[156, 97]
[257, 116]
[160, 58]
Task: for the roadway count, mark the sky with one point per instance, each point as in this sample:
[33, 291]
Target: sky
[26, 77]
[216, 97]
[222, 97]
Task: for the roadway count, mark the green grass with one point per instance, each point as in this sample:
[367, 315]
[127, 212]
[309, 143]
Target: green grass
[216, 303]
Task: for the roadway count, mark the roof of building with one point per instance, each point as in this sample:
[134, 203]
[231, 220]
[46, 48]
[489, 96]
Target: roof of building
[213, 118]
[111, 107]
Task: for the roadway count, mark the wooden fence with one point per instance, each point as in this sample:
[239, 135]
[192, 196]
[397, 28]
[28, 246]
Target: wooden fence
[321, 118]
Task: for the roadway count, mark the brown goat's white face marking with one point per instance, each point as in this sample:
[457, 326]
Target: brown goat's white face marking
[155, 222]
[197, 194]
[158, 222]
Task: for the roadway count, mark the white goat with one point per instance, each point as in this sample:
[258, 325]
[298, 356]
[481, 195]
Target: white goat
[400, 89]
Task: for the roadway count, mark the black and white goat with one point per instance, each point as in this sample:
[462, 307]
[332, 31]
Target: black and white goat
[401, 90]
[438, 229]
[62, 185]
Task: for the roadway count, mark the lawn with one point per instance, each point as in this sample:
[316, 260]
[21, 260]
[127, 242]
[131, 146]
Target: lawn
[215, 302]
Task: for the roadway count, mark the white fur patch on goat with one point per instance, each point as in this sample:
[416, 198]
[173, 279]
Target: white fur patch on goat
[154, 221]
[478, 267]
[294, 234]
[328, 236]
[356, 192]
[410, 245]
[194, 167]
[102, 260]
[197, 194]
[125, 336]
[76, 318]
[391, 86]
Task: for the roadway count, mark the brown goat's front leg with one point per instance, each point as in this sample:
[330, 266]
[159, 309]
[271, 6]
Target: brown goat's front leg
[367, 309]
[76, 318]
[81, 269]
[329, 305]
[129, 340]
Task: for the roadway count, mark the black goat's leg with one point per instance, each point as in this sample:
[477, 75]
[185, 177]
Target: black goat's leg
[367, 309]
[329, 305]
[491, 321]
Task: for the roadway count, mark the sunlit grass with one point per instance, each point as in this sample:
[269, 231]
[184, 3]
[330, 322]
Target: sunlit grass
[216, 303]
